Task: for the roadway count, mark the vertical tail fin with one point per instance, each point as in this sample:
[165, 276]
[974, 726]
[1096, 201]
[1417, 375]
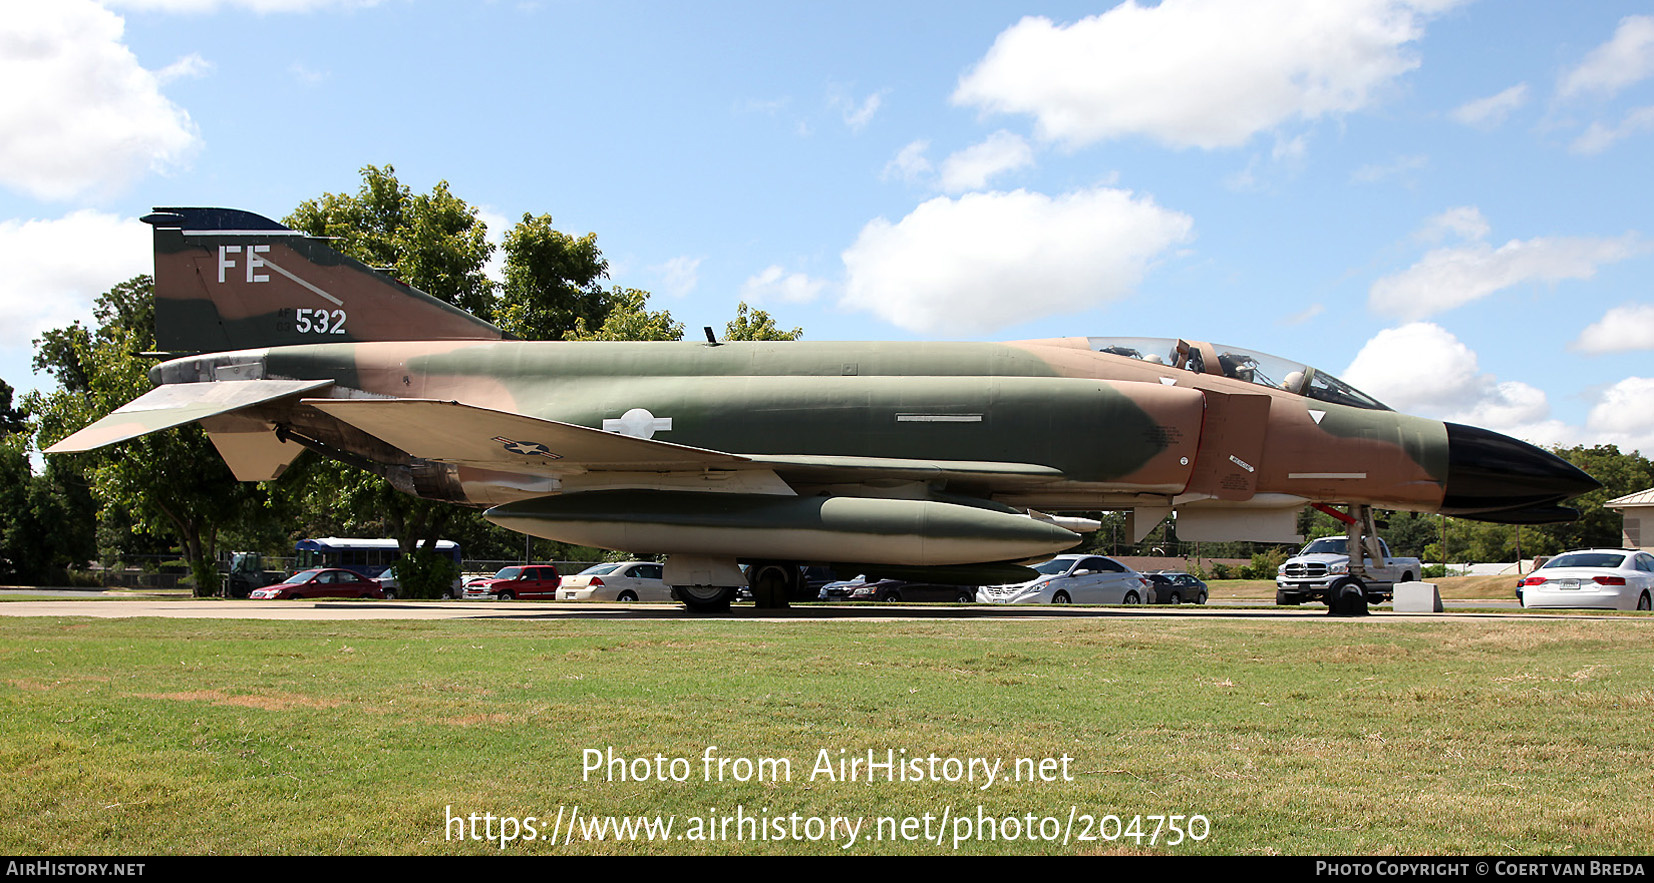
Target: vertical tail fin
[229, 280]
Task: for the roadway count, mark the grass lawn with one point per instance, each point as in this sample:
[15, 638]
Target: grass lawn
[1304, 735]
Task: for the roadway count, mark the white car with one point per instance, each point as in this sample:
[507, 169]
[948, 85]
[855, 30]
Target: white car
[1076, 579]
[1619, 579]
[626, 581]
[392, 585]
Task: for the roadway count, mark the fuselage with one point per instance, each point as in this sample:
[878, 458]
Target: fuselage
[1070, 428]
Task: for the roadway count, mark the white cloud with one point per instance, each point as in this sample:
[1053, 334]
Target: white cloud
[56, 268]
[1626, 58]
[679, 276]
[1463, 221]
[1624, 416]
[191, 65]
[1400, 167]
[910, 163]
[1491, 112]
[1197, 73]
[973, 167]
[1598, 137]
[986, 260]
[80, 116]
[856, 114]
[1422, 368]
[1303, 315]
[1621, 329]
[306, 75]
[1450, 277]
[776, 284]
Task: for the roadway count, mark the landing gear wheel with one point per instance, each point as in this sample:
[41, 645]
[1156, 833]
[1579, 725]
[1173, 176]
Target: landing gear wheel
[1347, 598]
[774, 583]
[706, 599]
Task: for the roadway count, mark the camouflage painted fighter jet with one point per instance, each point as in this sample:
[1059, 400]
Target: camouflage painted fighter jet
[883, 458]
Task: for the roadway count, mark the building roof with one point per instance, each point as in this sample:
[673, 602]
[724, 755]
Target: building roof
[1640, 498]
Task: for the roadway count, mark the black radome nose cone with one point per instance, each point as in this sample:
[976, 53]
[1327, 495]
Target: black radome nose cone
[1490, 473]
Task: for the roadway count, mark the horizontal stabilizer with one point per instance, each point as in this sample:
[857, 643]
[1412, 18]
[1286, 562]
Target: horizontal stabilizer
[178, 403]
[455, 433]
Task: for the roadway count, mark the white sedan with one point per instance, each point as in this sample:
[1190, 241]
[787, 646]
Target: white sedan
[1074, 579]
[626, 581]
[1618, 579]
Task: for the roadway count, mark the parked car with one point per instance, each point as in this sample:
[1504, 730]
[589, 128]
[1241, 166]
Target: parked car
[1077, 579]
[392, 585]
[1619, 579]
[840, 590]
[526, 581]
[324, 582]
[626, 581]
[903, 590]
[1171, 587]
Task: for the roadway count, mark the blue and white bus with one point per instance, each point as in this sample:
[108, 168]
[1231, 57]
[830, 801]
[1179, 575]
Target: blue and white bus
[367, 557]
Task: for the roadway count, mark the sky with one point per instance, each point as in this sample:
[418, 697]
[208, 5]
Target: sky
[1448, 204]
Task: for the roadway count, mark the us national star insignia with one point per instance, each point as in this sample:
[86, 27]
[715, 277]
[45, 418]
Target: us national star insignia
[527, 449]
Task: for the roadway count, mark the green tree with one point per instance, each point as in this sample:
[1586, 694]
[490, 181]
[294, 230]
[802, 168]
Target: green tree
[170, 484]
[434, 241]
[630, 319]
[751, 324]
[12, 420]
[1620, 474]
[553, 281]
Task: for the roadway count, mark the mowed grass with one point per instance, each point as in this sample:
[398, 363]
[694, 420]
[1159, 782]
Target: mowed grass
[1310, 735]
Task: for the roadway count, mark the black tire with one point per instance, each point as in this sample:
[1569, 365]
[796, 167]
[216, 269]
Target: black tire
[893, 595]
[1060, 598]
[774, 583]
[1347, 598]
[627, 596]
[390, 594]
[968, 597]
[1285, 599]
[1406, 578]
[1132, 598]
[1174, 598]
[507, 595]
[1643, 602]
[1201, 598]
[706, 599]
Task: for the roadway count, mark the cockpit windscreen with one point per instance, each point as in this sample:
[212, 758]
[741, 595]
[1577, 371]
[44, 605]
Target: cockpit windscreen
[1240, 364]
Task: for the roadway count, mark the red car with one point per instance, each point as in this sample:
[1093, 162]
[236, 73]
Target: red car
[518, 581]
[326, 582]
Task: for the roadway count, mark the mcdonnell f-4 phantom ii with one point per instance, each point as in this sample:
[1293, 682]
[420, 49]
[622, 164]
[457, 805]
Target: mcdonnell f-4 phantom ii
[882, 458]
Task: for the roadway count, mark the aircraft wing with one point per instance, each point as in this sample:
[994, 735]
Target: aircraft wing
[175, 404]
[452, 432]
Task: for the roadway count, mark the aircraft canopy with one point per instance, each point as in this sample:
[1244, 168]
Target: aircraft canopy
[1240, 364]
